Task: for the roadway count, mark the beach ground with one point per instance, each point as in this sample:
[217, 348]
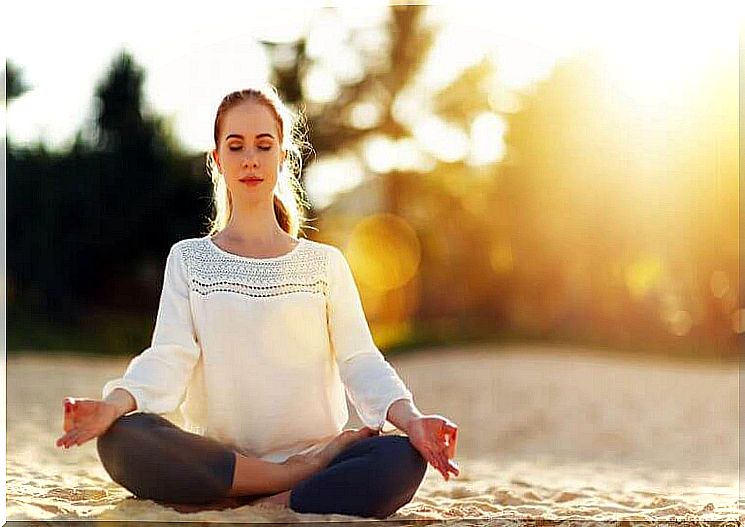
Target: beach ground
[544, 434]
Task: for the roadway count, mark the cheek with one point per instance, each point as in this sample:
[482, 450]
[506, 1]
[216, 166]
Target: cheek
[273, 160]
[233, 160]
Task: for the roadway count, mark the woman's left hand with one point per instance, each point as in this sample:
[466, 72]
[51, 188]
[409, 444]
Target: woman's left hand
[435, 437]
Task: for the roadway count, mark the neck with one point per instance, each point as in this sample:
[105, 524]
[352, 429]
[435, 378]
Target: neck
[254, 223]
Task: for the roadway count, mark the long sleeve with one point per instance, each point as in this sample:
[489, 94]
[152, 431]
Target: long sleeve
[370, 381]
[157, 378]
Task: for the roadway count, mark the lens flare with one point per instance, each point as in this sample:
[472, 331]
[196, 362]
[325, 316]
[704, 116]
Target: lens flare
[384, 252]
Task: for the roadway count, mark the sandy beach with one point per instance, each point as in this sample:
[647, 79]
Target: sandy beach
[544, 434]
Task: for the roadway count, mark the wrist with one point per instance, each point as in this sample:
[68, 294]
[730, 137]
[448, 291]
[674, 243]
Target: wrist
[114, 411]
[402, 413]
[121, 401]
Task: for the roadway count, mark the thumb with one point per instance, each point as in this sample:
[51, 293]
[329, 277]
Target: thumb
[67, 422]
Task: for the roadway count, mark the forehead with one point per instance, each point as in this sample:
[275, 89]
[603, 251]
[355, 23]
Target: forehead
[249, 118]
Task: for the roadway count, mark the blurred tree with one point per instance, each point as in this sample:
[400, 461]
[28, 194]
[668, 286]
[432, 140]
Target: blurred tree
[13, 88]
[139, 189]
[14, 83]
[89, 227]
[331, 126]
[474, 210]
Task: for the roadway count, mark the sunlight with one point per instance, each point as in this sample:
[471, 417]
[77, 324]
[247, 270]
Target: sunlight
[447, 143]
[487, 139]
[326, 177]
[383, 155]
[664, 61]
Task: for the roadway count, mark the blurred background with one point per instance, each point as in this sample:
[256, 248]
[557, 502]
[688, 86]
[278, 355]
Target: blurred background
[561, 179]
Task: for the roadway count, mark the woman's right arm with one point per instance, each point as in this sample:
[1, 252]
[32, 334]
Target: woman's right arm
[155, 381]
[157, 378]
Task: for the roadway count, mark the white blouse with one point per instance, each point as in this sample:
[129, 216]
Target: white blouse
[257, 352]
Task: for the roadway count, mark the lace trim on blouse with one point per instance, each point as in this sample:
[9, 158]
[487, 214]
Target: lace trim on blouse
[211, 271]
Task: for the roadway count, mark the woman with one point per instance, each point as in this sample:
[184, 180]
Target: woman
[258, 336]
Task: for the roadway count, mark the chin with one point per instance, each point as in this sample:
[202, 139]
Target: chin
[254, 195]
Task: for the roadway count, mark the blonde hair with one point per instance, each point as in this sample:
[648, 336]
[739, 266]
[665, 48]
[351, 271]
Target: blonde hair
[289, 201]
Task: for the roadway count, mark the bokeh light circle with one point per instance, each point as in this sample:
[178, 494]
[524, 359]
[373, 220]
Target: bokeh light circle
[384, 252]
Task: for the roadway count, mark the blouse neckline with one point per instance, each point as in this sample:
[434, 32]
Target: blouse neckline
[292, 251]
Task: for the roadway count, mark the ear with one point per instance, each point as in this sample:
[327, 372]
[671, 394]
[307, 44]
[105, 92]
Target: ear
[216, 159]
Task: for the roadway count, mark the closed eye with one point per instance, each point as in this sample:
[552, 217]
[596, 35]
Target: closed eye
[260, 148]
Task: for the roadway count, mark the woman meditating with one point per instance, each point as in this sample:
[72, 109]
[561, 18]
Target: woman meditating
[259, 334]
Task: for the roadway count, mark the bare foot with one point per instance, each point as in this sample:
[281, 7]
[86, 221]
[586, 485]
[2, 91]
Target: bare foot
[282, 499]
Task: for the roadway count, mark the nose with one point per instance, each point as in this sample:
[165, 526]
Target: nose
[250, 160]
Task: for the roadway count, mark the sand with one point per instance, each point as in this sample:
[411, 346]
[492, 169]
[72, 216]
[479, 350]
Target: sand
[544, 434]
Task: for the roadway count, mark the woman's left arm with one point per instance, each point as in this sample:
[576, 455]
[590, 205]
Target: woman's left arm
[373, 386]
[370, 381]
[434, 436]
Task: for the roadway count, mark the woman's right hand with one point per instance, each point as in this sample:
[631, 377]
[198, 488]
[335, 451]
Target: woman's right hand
[85, 419]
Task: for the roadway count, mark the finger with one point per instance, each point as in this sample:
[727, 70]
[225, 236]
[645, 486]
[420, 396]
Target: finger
[448, 466]
[67, 422]
[432, 459]
[71, 438]
[450, 427]
[450, 431]
[453, 467]
[61, 441]
[84, 438]
[439, 464]
[443, 461]
[452, 442]
[71, 405]
[450, 448]
[439, 468]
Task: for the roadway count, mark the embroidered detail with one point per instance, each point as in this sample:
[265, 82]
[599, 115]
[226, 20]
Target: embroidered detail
[211, 271]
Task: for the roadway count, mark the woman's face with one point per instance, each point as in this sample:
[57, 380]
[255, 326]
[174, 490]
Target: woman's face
[249, 153]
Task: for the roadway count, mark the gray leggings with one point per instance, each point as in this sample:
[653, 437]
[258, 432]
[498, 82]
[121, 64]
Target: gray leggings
[154, 459]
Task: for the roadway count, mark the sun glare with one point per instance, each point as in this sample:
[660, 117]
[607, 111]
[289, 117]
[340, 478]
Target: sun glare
[663, 55]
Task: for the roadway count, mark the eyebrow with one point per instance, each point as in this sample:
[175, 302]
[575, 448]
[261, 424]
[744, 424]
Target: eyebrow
[258, 136]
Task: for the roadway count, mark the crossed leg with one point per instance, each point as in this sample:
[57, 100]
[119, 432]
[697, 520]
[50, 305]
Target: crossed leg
[372, 478]
[155, 459]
